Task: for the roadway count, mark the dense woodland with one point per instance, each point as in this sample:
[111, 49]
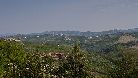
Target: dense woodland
[69, 56]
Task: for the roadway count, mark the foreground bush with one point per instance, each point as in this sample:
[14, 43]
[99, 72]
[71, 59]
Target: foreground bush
[12, 56]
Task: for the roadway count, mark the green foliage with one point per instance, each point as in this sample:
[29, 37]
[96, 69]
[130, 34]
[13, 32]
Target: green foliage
[12, 56]
[126, 65]
[74, 66]
[19, 64]
[111, 60]
[37, 65]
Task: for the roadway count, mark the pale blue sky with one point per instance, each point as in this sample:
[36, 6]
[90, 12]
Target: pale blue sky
[27, 16]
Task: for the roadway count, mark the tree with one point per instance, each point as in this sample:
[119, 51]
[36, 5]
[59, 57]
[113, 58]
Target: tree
[126, 65]
[12, 56]
[73, 66]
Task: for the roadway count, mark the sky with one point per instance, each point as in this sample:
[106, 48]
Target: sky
[32, 16]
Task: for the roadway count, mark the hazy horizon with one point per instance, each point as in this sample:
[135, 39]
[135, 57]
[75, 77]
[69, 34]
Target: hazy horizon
[34, 16]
